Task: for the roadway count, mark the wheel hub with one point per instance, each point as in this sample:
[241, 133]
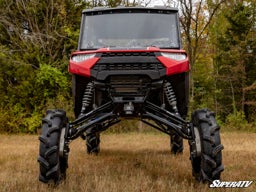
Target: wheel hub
[62, 143]
[197, 142]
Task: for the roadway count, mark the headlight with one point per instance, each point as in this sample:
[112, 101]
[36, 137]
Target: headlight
[174, 56]
[82, 57]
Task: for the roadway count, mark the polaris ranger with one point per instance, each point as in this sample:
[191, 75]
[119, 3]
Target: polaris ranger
[129, 64]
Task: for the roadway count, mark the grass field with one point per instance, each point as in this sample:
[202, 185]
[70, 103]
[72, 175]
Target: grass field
[132, 162]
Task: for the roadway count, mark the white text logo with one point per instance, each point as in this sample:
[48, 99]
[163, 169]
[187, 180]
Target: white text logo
[230, 184]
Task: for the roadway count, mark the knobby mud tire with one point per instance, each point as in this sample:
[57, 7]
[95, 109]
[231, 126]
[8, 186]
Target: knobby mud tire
[176, 144]
[52, 165]
[208, 166]
[92, 141]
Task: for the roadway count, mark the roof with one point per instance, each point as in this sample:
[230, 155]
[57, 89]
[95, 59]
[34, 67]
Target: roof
[121, 9]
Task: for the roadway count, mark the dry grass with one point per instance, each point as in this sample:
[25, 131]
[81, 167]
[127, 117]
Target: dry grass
[131, 162]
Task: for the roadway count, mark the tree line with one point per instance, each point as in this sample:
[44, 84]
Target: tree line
[37, 37]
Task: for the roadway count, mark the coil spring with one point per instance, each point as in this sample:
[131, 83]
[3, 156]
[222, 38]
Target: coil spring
[170, 95]
[87, 98]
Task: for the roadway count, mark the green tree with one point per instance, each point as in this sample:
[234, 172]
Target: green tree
[196, 18]
[235, 61]
[36, 40]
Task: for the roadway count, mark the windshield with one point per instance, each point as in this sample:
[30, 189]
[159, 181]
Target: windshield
[126, 30]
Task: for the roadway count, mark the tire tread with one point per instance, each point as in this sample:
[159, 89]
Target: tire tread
[52, 166]
[208, 166]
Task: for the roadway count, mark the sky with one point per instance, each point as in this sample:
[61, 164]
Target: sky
[159, 2]
[156, 2]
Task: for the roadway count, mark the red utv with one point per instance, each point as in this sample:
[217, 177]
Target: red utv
[129, 64]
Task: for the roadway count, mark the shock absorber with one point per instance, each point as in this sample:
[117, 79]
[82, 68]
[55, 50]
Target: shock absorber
[87, 98]
[170, 95]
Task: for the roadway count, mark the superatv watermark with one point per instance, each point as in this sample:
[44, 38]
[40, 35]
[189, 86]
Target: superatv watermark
[230, 184]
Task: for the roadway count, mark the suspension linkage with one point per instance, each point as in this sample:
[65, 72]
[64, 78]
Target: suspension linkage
[85, 117]
[164, 117]
[162, 111]
[178, 129]
[76, 132]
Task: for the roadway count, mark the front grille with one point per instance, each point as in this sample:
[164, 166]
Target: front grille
[129, 54]
[127, 66]
[127, 63]
[129, 84]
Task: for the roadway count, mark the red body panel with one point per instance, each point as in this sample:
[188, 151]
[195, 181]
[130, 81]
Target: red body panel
[82, 68]
[172, 66]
